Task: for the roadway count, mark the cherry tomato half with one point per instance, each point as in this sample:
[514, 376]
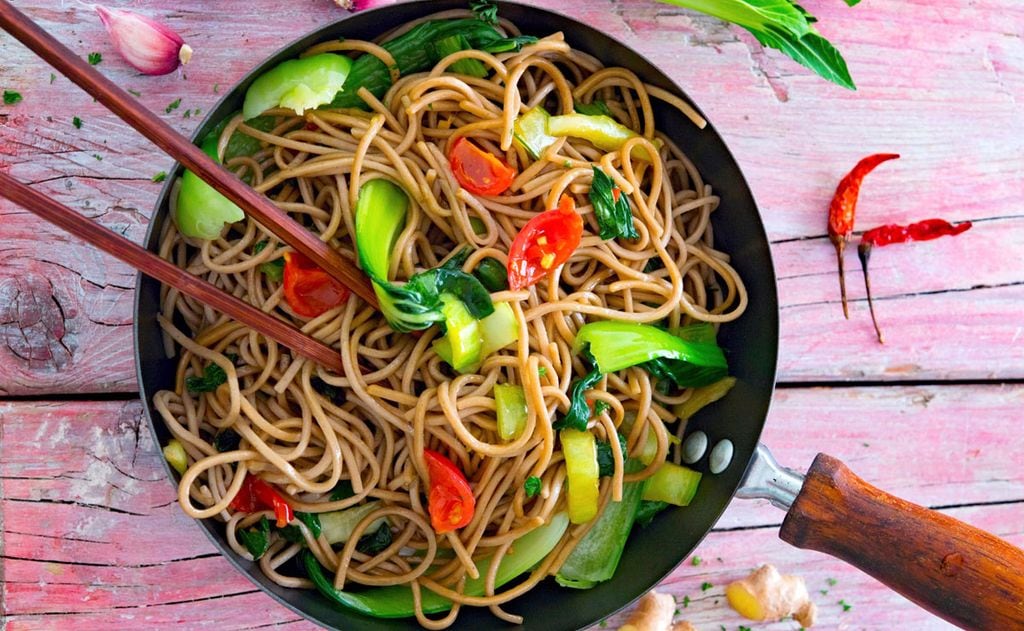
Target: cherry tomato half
[544, 243]
[478, 171]
[309, 290]
[450, 500]
[256, 494]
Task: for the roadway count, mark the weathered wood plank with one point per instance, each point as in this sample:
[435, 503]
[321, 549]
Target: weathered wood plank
[82, 491]
[954, 111]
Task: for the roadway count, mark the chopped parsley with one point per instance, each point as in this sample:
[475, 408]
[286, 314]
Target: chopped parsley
[173, 105]
[823, 592]
[846, 606]
[213, 377]
[705, 586]
[53, 78]
[160, 177]
[95, 59]
[134, 93]
[686, 601]
[11, 97]
[695, 561]
[98, 156]
[831, 582]
[216, 88]
[187, 114]
[77, 122]
[532, 486]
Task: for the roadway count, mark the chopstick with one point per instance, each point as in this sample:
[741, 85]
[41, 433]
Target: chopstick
[192, 157]
[168, 273]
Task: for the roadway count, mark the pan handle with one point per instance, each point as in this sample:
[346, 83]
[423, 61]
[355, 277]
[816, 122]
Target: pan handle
[960, 573]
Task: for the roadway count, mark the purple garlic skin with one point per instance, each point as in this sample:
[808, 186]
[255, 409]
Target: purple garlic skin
[149, 46]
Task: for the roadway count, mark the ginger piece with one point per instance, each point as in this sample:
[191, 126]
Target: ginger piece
[653, 613]
[768, 596]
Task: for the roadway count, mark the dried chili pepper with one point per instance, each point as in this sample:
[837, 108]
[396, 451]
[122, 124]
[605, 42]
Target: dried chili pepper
[891, 233]
[843, 208]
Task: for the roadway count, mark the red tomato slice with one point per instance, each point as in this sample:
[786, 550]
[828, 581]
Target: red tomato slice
[478, 171]
[256, 494]
[544, 243]
[450, 500]
[309, 290]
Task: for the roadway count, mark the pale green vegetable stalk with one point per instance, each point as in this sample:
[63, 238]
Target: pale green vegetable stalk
[783, 25]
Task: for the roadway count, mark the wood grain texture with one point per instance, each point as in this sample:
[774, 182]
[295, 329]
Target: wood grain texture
[82, 492]
[952, 105]
[962, 574]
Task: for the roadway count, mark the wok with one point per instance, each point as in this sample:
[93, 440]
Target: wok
[962, 574]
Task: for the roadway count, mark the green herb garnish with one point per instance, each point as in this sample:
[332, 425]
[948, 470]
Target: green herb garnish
[256, 539]
[173, 105]
[77, 122]
[134, 93]
[95, 58]
[213, 376]
[160, 177]
[532, 486]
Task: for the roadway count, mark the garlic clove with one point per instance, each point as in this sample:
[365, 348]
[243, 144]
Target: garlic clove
[149, 46]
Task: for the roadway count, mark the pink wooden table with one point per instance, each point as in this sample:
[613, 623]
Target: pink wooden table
[90, 536]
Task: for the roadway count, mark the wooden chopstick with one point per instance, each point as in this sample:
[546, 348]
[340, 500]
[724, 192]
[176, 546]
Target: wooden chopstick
[161, 134]
[168, 273]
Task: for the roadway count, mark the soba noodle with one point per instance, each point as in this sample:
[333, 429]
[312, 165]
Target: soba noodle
[398, 396]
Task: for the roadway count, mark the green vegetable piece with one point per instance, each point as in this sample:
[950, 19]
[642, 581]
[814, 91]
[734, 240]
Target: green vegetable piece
[604, 132]
[597, 108]
[342, 491]
[201, 211]
[256, 539]
[532, 486]
[337, 526]
[240, 143]
[415, 51]
[227, 440]
[704, 396]
[175, 454]
[456, 43]
[531, 131]
[380, 218]
[274, 269]
[782, 25]
[376, 541]
[510, 401]
[578, 414]
[697, 360]
[487, 11]
[478, 225]
[605, 458]
[597, 555]
[463, 333]
[294, 533]
[492, 274]
[332, 393]
[672, 483]
[648, 509]
[614, 214]
[297, 84]
[397, 601]
[213, 376]
[498, 330]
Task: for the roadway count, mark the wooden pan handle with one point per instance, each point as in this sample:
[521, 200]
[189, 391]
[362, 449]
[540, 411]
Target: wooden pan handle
[964, 575]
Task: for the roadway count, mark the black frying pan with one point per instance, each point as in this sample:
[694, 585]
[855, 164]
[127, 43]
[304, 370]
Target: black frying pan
[971, 578]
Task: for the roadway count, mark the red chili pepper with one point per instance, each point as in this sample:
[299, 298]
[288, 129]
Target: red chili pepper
[544, 243]
[891, 233]
[479, 171]
[256, 494]
[843, 209]
[309, 290]
[450, 499]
